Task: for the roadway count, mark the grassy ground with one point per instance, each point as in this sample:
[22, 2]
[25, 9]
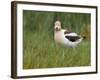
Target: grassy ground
[40, 50]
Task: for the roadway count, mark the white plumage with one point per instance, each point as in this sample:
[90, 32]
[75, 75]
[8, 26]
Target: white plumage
[64, 37]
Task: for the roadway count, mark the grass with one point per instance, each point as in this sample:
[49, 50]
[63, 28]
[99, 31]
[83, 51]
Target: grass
[40, 51]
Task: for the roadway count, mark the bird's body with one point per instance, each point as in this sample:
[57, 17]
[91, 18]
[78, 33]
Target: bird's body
[63, 37]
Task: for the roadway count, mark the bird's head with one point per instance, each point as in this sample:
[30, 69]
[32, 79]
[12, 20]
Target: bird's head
[57, 26]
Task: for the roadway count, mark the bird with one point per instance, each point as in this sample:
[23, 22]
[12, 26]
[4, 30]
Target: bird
[66, 37]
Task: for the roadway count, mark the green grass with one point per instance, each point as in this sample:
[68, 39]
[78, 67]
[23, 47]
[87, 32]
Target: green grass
[40, 51]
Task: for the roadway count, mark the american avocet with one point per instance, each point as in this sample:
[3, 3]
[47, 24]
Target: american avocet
[64, 37]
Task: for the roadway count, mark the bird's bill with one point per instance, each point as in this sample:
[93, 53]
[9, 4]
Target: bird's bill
[57, 28]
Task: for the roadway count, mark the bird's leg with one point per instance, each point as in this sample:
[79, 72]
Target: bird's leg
[63, 54]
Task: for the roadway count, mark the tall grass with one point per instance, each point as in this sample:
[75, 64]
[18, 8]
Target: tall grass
[40, 49]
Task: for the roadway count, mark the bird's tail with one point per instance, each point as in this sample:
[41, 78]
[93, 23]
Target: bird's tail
[84, 37]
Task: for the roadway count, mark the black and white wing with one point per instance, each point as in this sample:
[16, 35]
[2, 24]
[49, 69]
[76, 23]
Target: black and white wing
[73, 38]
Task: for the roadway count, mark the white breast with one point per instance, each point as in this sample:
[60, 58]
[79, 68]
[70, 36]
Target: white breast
[60, 37]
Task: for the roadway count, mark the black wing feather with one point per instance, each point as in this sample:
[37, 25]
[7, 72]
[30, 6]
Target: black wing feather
[72, 38]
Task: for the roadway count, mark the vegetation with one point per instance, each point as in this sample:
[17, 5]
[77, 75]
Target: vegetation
[40, 50]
